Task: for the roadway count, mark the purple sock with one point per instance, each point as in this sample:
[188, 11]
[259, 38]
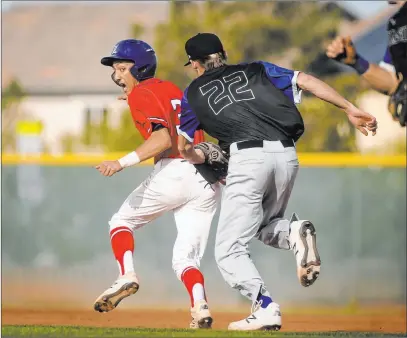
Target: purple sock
[264, 297]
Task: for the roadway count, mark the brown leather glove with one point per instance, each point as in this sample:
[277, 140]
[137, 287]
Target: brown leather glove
[216, 164]
[398, 103]
[343, 50]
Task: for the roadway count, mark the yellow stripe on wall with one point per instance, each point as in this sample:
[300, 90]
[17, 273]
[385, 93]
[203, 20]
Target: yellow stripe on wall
[351, 160]
[306, 160]
[63, 160]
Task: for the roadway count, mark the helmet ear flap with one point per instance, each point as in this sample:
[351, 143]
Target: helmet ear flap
[148, 71]
[144, 72]
[134, 71]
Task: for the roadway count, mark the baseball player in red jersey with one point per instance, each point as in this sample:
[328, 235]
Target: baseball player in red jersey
[173, 184]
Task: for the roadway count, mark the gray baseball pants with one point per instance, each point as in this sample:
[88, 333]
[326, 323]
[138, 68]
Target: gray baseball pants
[257, 190]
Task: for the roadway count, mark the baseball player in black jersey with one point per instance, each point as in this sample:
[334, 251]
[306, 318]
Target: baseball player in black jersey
[251, 109]
[390, 76]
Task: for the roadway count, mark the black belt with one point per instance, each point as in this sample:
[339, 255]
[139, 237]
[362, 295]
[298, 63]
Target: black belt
[259, 144]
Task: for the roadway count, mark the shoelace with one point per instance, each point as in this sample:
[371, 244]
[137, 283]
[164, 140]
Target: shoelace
[194, 324]
[256, 305]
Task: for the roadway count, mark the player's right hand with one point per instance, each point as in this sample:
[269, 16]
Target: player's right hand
[342, 49]
[109, 168]
[362, 121]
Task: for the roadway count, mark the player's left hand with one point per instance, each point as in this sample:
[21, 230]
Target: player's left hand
[109, 168]
[363, 121]
[215, 166]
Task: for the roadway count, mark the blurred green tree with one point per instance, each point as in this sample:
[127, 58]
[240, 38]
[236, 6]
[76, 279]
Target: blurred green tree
[249, 30]
[11, 96]
[123, 138]
[136, 30]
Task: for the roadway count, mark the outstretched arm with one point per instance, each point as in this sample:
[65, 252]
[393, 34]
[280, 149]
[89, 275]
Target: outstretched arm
[380, 79]
[363, 121]
[343, 50]
[158, 142]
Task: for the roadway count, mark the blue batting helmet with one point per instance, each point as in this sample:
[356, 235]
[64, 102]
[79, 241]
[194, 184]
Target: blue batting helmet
[137, 51]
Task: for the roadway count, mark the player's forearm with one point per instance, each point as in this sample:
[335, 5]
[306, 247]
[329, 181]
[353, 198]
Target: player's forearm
[322, 90]
[158, 142]
[188, 152]
[380, 79]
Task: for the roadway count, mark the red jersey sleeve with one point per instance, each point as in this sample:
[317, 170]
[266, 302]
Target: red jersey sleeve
[146, 110]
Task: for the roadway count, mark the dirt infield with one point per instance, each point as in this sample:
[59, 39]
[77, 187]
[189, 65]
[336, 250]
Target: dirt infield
[385, 321]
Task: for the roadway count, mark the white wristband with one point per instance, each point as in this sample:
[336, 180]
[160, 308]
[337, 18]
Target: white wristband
[129, 160]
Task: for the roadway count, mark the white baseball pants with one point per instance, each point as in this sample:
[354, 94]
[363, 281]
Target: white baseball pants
[174, 185]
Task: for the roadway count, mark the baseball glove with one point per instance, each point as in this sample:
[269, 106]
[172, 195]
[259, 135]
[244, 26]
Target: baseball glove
[348, 56]
[398, 103]
[215, 167]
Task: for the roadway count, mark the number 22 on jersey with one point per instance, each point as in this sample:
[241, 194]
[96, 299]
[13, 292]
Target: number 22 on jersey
[227, 90]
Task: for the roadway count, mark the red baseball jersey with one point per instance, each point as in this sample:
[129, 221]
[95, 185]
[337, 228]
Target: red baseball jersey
[155, 101]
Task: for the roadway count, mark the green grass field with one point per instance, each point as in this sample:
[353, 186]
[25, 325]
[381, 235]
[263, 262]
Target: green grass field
[72, 331]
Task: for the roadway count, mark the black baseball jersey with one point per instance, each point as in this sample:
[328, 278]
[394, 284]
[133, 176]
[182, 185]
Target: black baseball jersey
[396, 54]
[254, 101]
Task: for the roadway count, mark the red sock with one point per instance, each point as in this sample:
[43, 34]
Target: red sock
[122, 242]
[194, 282]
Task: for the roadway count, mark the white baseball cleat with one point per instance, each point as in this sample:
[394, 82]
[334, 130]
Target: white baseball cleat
[268, 319]
[123, 287]
[201, 316]
[303, 242]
